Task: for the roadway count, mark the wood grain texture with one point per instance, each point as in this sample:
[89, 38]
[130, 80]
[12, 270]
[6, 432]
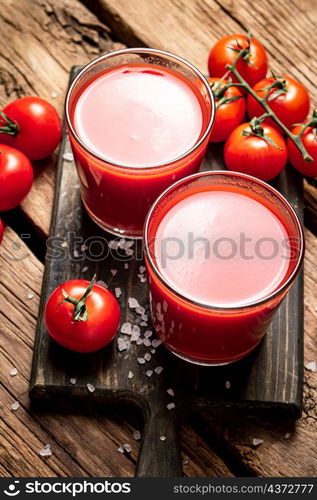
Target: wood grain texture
[26, 431]
[46, 37]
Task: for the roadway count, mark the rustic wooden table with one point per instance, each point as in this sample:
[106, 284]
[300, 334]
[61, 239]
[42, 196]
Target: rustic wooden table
[42, 39]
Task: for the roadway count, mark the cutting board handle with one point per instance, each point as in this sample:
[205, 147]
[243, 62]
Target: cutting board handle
[159, 457]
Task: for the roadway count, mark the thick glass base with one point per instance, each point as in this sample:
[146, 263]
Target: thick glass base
[207, 362]
[121, 233]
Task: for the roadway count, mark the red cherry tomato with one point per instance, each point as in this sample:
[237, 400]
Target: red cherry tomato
[91, 327]
[290, 107]
[309, 140]
[254, 155]
[253, 68]
[230, 110]
[1, 231]
[35, 125]
[16, 177]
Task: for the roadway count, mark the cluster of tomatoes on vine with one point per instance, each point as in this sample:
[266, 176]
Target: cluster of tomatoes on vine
[259, 147]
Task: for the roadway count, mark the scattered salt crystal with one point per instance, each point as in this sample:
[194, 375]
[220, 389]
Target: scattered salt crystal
[102, 283]
[185, 461]
[46, 451]
[15, 405]
[73, 380]
[144, 317]
[83, 248]
[122, 344]
[130, 374]
[143, 323]
[136, 435]
[117, 292]
[140, 310]
[135, 336]
[148, 333]
[311, 366]
[120, 449]
[76, 254]
[287, 435]
[170, 392]
[68, 156]
[129, 251]
[141, 361]
[170, 406]
[146, 342]
[140, 276]
[228, 384]
[136, 329]
[133, 303]
[54, 95]
[113, 244]
[156, 343]
[126, 328]
[158, 370]
[127, 448]
[165, 305]
[257, 441]
[149, 373]
[159, 307]
[113, 271]
[64, 244]
[85, 268]
[91, 388]
[13, 372]
[163, 438]
[147, 356]
[152, 351]
[30, 295]
[139, 341]
[126, 265]
[143, 280]
[142, 269]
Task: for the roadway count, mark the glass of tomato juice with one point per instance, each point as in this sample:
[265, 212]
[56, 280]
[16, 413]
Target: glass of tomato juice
[138, 120]
[222, 249]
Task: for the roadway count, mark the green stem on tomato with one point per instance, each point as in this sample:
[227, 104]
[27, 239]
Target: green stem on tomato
[296, 139]
[80, 311]
[9, 127]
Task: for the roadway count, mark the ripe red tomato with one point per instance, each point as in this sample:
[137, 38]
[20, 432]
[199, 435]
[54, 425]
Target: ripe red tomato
[230, 110]
[87, 328]
[254, 155]
[290, 107]
[1, 231]
[309, 140]
[16, 177]
[34, 125]
[253, 68]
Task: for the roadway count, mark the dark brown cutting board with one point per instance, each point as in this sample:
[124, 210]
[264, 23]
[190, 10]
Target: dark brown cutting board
[268, 379]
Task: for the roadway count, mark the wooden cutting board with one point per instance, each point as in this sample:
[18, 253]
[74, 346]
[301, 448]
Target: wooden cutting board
[270, 379]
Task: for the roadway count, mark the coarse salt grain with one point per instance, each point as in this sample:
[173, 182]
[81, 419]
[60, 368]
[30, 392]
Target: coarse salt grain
[142, 269]
[83, 247]
[122, 344]
[143, 323]
[149, 373]
[126, 328]
[64, 244]
[133, 303]
[136, 435]
[170, 392]
[228, 384]
[113, 271]
[163, 438]
[140, 310]
[148, 333]
[15, 405]
[30, 295]
[141, 361]
[146, 342]
[85, 268]
[46, 451]
[287, 435]
[54, 95]
[13, 372]
[73, 380]
[156, 343]
[130, 374]
[120, 449]
[257, 441]
[126, 265]
[311, 366]
[144, 317]
[127, 448]
[136, 329]
[147, 356]
[139, 341]
[102, 283]
[118, 292]
[135, 336]
[91, 388]
[143, 280]
[158, 370]
[76, 254]
[152, 351]
[170, 406]
[68, 156]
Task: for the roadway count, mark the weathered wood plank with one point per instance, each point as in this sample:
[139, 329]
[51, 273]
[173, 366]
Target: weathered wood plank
[45, 40]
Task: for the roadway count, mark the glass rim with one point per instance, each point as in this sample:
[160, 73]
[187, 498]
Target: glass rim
[141, 50]
[202, 304]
